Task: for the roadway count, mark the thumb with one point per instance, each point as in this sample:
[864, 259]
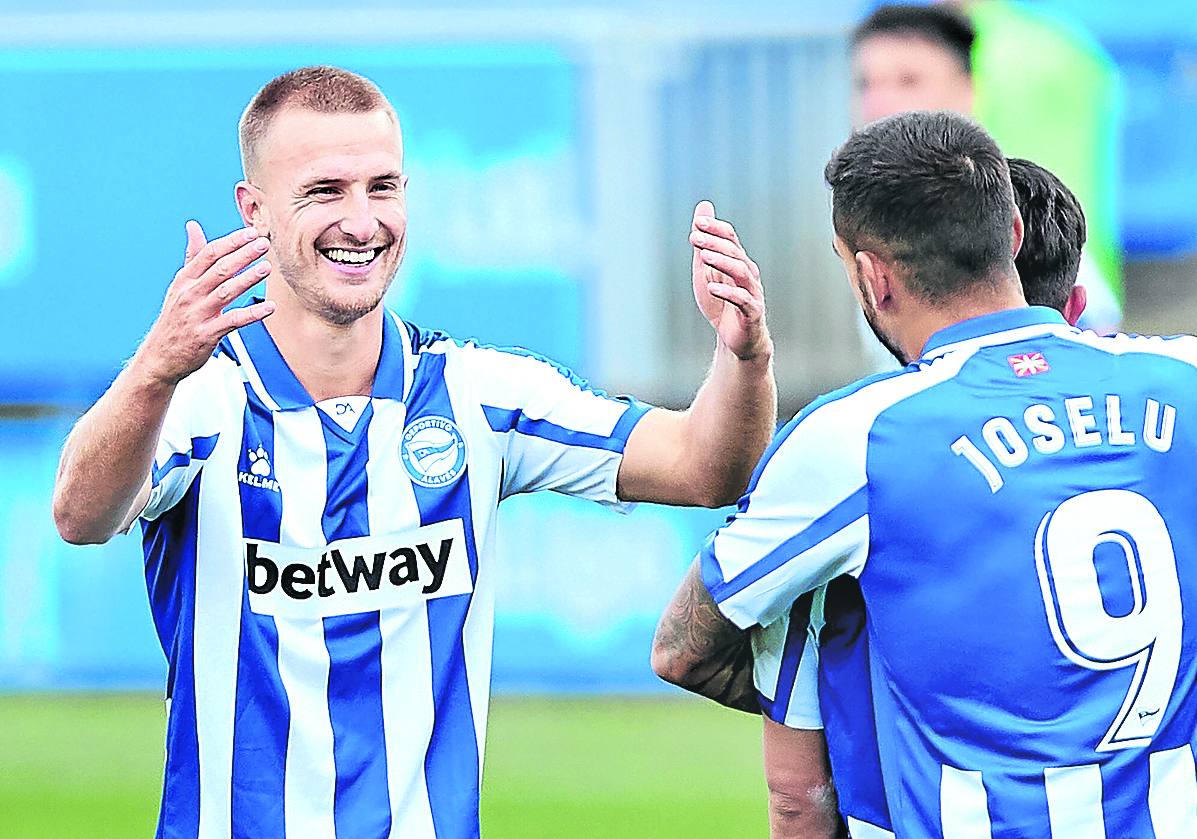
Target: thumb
[704, 208]
[195, 240]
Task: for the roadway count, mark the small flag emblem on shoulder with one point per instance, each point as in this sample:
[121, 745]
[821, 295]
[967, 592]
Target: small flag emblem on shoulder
[1028, 364]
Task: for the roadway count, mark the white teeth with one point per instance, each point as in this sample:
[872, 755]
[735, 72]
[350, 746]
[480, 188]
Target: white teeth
[351, 257]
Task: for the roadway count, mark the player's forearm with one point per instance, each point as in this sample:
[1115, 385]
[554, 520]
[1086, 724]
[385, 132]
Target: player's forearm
[698, 649]
[108, 456]
[811, 814]
[730, 423]
[802, 798]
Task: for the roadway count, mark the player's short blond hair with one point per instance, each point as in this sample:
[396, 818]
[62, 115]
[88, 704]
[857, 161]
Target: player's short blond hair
[327, 90]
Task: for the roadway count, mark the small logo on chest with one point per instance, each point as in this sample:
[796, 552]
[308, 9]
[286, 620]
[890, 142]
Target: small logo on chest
[260, 473]
[433, 451]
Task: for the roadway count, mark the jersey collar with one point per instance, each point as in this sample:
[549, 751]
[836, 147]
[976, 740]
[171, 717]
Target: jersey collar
[996, 328]
[278, 388]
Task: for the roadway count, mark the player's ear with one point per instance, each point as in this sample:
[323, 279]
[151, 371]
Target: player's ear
[1074, 307]
[1019, 232]
[875, 280]
[249, 204]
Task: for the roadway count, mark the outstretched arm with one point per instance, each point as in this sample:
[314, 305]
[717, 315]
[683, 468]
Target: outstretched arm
[103, 476]
[705, 455]
[698, 649]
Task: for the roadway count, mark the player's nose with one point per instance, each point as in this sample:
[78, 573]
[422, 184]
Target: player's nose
[359, 221]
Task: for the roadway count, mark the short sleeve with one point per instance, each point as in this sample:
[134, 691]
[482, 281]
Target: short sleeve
[189, 434]
[786, 664]
[557, 432]
[803, 521]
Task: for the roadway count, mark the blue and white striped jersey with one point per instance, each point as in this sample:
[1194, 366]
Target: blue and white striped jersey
[1017, 509]
[323, 588]
[816, 675]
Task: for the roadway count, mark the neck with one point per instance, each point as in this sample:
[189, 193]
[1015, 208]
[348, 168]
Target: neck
[929, 320]
[328, 359]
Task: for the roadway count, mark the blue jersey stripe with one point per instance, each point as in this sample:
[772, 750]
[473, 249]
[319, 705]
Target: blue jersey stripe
[451, 765]
[389, 377]
[792, 656]
[361, 804]
[833, 521]
[503, 419]
[169, 543]
[263, 711]
[276, 376]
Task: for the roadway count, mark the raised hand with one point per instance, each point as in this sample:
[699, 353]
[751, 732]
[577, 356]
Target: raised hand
[193, 319]
[727, 285]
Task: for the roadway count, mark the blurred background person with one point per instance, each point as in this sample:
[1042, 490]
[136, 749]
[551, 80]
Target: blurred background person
[1043, 88]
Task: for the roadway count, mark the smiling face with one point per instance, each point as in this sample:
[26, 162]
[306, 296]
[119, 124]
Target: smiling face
[328, 190]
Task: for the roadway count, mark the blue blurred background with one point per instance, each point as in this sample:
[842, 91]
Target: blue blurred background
[555, 153]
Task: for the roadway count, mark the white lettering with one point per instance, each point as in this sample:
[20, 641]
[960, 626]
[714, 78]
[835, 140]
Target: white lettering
[984, 465]
[1082, 424]
[1157, 437]
[1116, 435]
[1040, 421]
[1002, 438]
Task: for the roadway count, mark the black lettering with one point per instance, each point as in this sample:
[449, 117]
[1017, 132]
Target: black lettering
[437, 565]
[372, 574]
[254, 563]
[322, 588]
[298, 574]
[405, 570]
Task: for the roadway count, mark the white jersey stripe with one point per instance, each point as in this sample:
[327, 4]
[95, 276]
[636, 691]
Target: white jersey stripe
[310, 782]
[963, 805]
[1172, 794]
[251, 372]
[478, 632]
[217, 628]
[407, 707]
[1074, 801]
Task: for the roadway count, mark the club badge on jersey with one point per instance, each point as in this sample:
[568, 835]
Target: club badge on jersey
[433, 451]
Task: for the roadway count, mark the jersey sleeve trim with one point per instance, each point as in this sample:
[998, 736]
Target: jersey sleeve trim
[795, 644]
[201, 450]
[841, 516]
[514, 419]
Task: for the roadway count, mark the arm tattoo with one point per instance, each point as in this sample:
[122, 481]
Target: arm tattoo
[714, 653]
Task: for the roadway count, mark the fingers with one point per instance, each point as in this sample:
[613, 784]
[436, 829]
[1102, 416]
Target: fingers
[230, 266]
[716, 227]
[751, 307]
[216, 250]
[238, 284]
[735, 269]
[714, 244]
[195, 240]
[243, 316]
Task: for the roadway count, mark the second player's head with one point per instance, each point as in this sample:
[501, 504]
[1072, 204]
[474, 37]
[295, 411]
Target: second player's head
[924, 222]
[911, 58]
[1054, 234]
[323, 159]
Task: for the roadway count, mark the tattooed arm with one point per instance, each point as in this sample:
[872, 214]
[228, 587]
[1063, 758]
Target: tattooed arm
[698, 649]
